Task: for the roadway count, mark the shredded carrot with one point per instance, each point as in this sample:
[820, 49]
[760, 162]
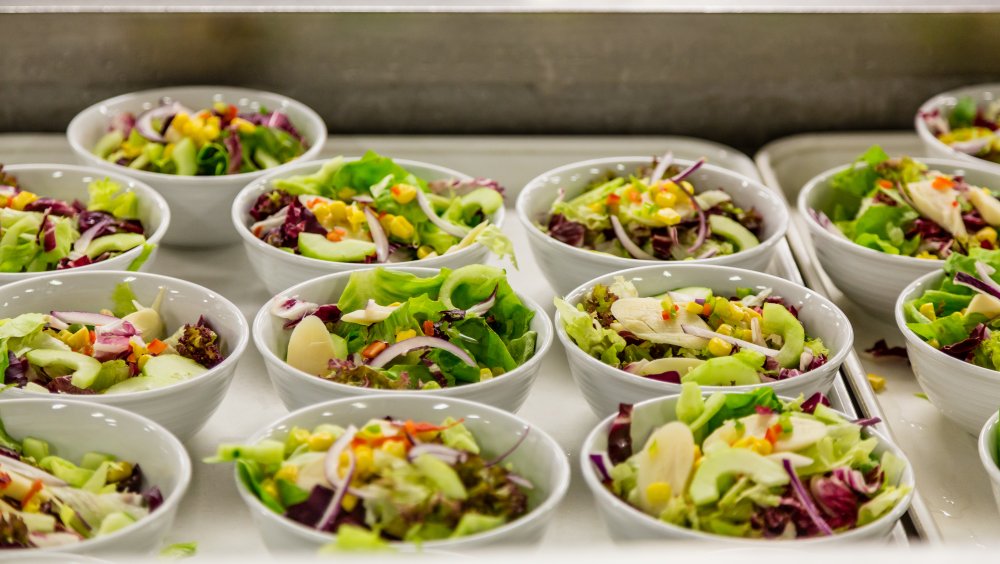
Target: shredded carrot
[613, 199]
[429, 328]
[883, 183]
[4, 480]
[372, 350]
[156, 346]
[394, 190]
[706, 309]
[93, 337]
[942, 183]
[36, 487]
[333, 236]
[633, 195]
[954, 203]
[377, 441]
[773, 433]
[258, 230]
[413, 427]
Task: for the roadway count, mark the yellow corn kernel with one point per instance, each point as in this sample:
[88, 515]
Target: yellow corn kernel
[694, 307]
[658, 493]
[687, 187]
[180, 120]
[404, 335]
[270, 488]
[386, 220]
[242, 125]
[934, 343]
[320, 441]
[349, 502]
[355, 216]
[877, 382]
[597, 207]
[403, 193]
[213, 121]
[665, 199]
[395, 448]
[363, 458]
[346, 193]
[288, 473]
[338, 210]
[718, 347]
[725, 329]
[743, 334]
[210, 132]
[668, 216]
[761, 446]
[485, 374]
[423, 251]
[925, 255]
[401, 227]
[323, 215]
[987, 234]
[927, 310]
[22, 199]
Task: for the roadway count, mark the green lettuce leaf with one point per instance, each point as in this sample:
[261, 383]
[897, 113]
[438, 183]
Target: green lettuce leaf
[320, 182]
[387, 287]
[19, 244]
[948, 329]
[106, 195]
[588, 334]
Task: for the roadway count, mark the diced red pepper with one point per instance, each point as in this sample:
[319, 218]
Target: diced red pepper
[613, 199]
[36, 487]
[942, 183]
[773, 433]
[883, 183]
[429, 328]
[156, 346]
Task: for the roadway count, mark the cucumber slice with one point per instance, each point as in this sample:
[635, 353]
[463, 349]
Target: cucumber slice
[733, 232]
[316, 246]
[85, 368]
[118, 242]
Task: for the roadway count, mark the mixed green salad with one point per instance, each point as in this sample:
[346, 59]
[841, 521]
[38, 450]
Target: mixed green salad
[215, 141]
[47, 501]
[692, 335]
[752, 466]
[39, 234]
[396, 330]
[960, 316]
[373, 210]
[654, 214]
[390, 480]
[110, 352]
[969, 128]
[900, 207]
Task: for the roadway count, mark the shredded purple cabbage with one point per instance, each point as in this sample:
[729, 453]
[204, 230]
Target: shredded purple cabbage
[620, 435]
[809, 406]
[569, 232]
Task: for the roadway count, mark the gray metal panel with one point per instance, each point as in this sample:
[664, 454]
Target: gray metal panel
[741, 79]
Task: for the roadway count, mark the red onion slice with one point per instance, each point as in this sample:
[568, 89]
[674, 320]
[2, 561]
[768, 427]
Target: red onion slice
[970, 281]
[330, 514]
[708, 334]
[120, 328]
[511, 450]
[57, 324]
[87, 236]
[631, 247]
[973, 146]
[443, 453]
[292, 308]
[446, 226]
[269, 223]
[520, 481]
[661, 168]
[985, 271]
[485, 305]
[112, 344]
[702, 226]
[144, 123]
[414, 343]
[805, 499]
[332, 463]
[363, 199]
[83, 317]
[378, 236]
[688, 172]
[805, 360]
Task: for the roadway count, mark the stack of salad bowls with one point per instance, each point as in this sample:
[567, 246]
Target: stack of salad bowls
[566, 266]
[605, 385]
[989, 453]
[196, 200]
[72, 430]
[480, 293]
[371, 182]
[182, 400]
[873, 278]
[797, 493]
[54, 184]
[538, 461]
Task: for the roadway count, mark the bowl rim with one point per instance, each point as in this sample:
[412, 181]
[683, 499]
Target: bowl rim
[913, 340]
[142, 190]
[821, 181]
[560, 464]
[238, 210]
[669, 530]
[667, 388]
[75, 129]
[988, 452]
[235, 350]
[936, 102]
[524, 370]
[170, 501]
[779, 213]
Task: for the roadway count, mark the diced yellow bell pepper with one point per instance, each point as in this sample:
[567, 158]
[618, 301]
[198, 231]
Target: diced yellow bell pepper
[658, 493]
[287, 472]
[22, 199]
[423, 251]
[404, 335]
[877, 382]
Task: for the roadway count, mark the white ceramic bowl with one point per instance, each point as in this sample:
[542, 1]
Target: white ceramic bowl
[298, 389]
[539, 458]
[965, 393]
[868, 277]
[944, 103]
[182, 408]
[74, 428]
[605, 387]
[69, 182]
[281, 269]
[200, 203]
[627, 523]
[988, 455]
[566, 266]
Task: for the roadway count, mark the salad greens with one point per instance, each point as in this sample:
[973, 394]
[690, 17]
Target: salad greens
[968, 128]
[751, 465]
[390, 480]
[216, 141]
[396, 330]
[47, 501]
[899, 207]
[374, 210]
[692, 335]
[39, 234]
[653, 214]
[111, 352]
[960, 316]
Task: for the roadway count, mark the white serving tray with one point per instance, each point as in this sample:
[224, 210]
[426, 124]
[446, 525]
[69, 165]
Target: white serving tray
[955, 491]
[212, 513]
